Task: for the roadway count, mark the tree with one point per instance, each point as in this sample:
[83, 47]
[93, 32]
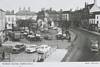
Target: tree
[31, 24]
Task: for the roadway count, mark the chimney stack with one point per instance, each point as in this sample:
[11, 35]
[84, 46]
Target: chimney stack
[95, 2]
[29, 9]
[19, 9]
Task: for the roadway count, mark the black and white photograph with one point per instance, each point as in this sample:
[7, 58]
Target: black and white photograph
[49, 31]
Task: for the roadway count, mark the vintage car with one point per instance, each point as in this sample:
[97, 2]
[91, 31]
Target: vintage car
[18, 48]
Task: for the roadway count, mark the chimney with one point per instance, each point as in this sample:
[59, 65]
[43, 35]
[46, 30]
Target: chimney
[19, 9]
[24, 8]
[85, 4]
[28, 8]
[95, 2]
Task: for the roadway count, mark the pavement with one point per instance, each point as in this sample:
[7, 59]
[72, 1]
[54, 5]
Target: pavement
[93, 32]
[58, 55]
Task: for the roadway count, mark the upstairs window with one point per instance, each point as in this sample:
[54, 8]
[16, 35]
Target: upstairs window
[97, 17]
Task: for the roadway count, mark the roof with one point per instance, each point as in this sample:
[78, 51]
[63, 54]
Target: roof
[95, 8]
[25, 12]
[90, 5]
[9, 13]
[2, 10]
[66, 12]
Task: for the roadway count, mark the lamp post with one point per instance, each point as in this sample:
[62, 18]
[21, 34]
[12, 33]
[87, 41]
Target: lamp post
[61, 22]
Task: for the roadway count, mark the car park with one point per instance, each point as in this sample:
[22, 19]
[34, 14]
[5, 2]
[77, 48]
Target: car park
[30, 48]
[43, 49]
[94, 46]
[18, 48]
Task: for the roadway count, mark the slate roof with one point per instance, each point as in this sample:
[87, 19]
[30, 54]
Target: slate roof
[25, 12]
[9, 13]
[95, 8]
[2, 10]
[90, 5]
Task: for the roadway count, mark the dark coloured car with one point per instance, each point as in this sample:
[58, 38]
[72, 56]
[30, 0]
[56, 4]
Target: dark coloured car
[61, 36]
[18, 48]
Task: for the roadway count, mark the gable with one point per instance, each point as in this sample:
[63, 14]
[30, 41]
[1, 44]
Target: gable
[95, 8]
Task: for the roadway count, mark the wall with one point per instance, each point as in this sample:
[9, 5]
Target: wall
[2, 25]
[97, 19]
[10, 19]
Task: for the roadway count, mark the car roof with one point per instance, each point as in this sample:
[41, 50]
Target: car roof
[30, 45]
[43, 45]
[19, 43]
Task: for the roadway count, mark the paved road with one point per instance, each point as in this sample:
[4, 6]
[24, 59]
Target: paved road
[81, 49]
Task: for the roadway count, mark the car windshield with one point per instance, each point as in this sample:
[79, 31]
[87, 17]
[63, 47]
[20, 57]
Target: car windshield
[94, 47]
[32, 46]
[18, 46]
[41, 47]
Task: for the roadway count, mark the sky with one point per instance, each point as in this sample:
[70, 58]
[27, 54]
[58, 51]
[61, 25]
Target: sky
[36, 5]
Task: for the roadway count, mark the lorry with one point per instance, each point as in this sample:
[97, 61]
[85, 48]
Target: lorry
[15, 35]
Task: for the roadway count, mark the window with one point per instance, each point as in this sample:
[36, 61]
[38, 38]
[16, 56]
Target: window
[97, 22]
[97, 17]
[8, 18]
[12, 19]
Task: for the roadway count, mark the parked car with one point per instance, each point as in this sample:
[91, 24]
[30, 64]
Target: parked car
[42, 49]
[61, 36]
[48, 37]
[38, 37]
[31, 48]
[34, 37]
[94, 46]
[18, 48]
[55, 28]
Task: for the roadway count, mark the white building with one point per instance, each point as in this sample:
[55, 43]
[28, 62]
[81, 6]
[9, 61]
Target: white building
[2, 25]
[10, 19]
[95, 15]
[24, 14]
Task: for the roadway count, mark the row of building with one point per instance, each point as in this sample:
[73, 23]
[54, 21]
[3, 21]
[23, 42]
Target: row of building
[87, 17]
[8, 19]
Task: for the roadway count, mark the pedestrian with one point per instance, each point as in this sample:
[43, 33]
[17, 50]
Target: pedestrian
[69, 38]
[3, 55]
[0, 43]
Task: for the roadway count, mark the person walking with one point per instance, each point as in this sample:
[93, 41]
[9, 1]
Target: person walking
[3, 55]
[0, 43]
[69, 38]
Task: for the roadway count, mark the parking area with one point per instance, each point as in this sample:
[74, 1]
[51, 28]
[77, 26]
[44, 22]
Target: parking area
[27, 57]
[33, 57]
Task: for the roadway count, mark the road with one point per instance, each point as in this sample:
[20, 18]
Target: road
[81, 47]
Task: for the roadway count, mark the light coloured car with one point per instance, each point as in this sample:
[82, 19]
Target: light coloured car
[94, 46]
[43, 49]
[30, 36]
[38, 35]
[55, 28]
[31, 48]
